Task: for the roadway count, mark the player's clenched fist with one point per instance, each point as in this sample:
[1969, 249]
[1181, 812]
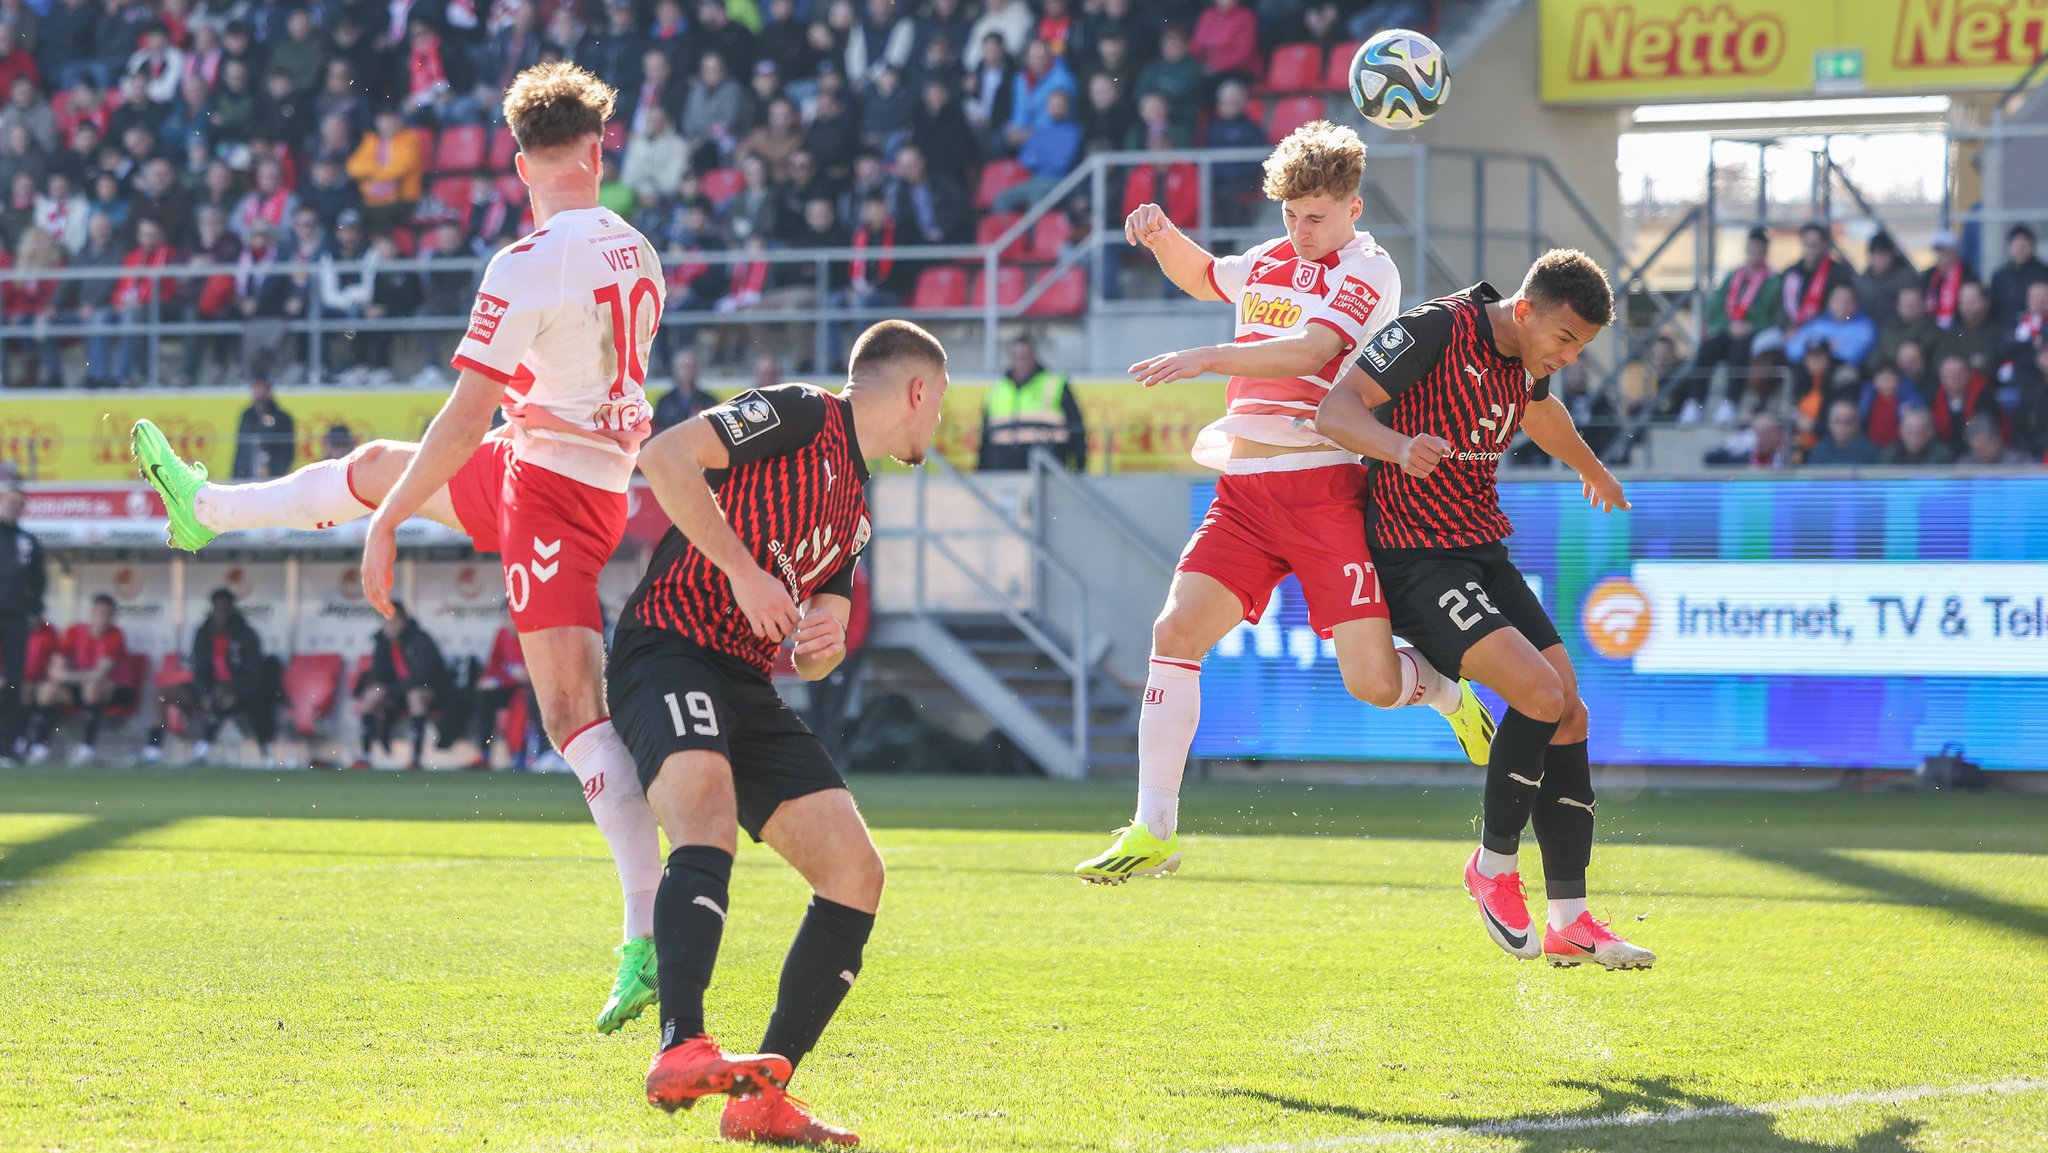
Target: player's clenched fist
[1146, 226]
[764, 601]
[820, 636]
[1420, 455]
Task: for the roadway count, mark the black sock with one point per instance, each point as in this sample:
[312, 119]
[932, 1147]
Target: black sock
[369, 733]
[419, 737]
[689, 921]
[818, 973]
[93, 715]
[1564, 820]
[42, 723]
[1513, 774]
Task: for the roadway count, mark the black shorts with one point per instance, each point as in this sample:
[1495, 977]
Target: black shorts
[669, 695]
[74, 696]
[1445, 600]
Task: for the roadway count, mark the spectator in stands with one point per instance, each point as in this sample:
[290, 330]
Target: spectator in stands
[927, 209]
[269, 299]
[1887, 273]
[1844, 443]
[1135, 39]
[407, 675]
[189, 115]
[884, 39]
[1986, 444]
[1975, 336]
[1226, 41]
[1909, 322]
[656, 154]
[716, 114]
[1050, 151]
[286, 116]
[90, 672]
[659, 89]
[31, 306]
[21, 156]
[1819, 378]
[387, 166]
[1845, 327]
[67, 39]
[1885, 396]
[26, 107]
[719, 34]
[886, 112]
[1946, 279]
[269, 199]
[231, 680]
[785, 43]
[159, 62]
[212, 299]
[875, 278]
[2021, 271]
[344, 287]
[159, 197]
[1033, 87]
[1012, 21]
[265, 438]
[1031, 406]
[341, 98]
[940, 131]
[1594, 412]
[1234, 188]
[1761, 445]
[394, 292]
[92, 301]
[1106, 115]
[63, 213]
[1914, 369]
[989, 92]
[2025, 400]
[1175, 76]
[779, 137]
[24, 580]
[136, 292]
[1808, 284]
[1918, 445]
[1055, 26]
[232, 114]
[299, 54]
[329, 191]
[685, 397]
[503, 681]
[1748, 301]
[449, 290]
[833, 138]
[1962, 394]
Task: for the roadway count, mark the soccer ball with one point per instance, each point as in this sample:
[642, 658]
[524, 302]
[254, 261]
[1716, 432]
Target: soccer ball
[1399, 79]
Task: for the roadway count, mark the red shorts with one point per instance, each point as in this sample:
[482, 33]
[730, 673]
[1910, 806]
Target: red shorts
[1311, 522]
[553, 534]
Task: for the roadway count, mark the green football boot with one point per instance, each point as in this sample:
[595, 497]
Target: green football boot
[1134, 853]
[633, 989]
[1473, 724]
[174, 480]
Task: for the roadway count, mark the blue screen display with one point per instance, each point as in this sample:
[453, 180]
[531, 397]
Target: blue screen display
[1853, 623]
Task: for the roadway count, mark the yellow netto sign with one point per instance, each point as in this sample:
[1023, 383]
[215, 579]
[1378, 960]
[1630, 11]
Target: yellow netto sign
[1646, 51]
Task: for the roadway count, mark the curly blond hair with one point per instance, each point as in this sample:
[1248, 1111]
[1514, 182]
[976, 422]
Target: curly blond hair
[550, 105]
[1317, 159]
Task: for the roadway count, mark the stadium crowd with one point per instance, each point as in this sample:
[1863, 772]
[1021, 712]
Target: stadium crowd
[141, 136]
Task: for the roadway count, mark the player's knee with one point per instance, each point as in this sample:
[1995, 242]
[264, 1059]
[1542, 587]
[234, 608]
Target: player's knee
[1541, 700]
[1573, 725]
[1380, 688]
[859, 881]
[1172, 637]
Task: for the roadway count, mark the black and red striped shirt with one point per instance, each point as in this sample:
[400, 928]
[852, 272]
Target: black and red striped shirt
[794, 495]
[1446, 377]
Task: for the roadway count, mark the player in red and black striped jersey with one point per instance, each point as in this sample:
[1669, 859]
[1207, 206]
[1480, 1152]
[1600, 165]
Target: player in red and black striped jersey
[1464, 372]
[766, 495]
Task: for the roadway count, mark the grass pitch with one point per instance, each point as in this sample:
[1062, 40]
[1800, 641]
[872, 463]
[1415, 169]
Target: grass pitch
[248, 961]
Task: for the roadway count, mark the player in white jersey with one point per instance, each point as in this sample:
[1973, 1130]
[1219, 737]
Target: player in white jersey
[1289, 500]
[558, 339]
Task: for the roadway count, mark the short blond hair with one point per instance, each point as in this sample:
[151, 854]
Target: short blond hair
[1317, 159]
[550, 105]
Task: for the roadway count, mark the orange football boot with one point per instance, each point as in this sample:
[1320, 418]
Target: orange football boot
[698, 1068]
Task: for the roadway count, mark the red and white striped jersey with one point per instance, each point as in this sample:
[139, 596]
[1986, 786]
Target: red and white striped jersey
[564, 320]
[1352, 291]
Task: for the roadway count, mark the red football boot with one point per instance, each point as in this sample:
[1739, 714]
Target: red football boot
[778, 1118]
[698, 1067]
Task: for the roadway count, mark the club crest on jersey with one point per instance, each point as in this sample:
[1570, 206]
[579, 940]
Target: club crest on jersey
[745, 417]
[1356, 299]
[861, 533]
[1304, 277]
[1277, 312]
[485, 317]
[1388, 346]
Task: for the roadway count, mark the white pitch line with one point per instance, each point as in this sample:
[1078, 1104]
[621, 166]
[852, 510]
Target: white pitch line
[1518, 1126]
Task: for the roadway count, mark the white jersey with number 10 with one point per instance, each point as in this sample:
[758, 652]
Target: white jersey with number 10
[564, 320]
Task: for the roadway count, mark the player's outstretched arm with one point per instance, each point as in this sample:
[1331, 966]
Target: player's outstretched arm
[821, 636]
[1182, 260]
[1345, 416]
[1550, 425]
[462, 424]
[1302, 354]
[674, 465]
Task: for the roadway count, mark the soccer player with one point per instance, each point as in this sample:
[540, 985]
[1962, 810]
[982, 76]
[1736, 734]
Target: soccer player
[88, 671]
[765, 493]
[1464, 372]
[558, 338]
[1289, 499]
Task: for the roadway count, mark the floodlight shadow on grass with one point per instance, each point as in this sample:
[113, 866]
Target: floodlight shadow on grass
[30, 860]
[1896, 887]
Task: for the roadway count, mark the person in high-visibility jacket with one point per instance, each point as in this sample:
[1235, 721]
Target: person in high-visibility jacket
[1031, 406]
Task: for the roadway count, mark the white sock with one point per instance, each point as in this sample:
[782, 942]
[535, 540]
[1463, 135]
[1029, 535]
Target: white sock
[1166, 729]
[1421, 684]
[316, 496]
[1564, 912]
[1492, 864]
[611, 785]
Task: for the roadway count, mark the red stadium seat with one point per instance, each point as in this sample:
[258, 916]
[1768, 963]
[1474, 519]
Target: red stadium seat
[405, 240]
[1067, 296]
[503, 148]
[997, 177]
[1010, 284]
[1254, 110]
[943, 286]
[1337, 72]
[722, 184]
[312, 682]
[510, 188]
[1180, 192]
[614, 135]
[1293, 112]
[459, 149]
[991, 228]
[170, 673]
[455, 192]
[1047, 236]
[1294, 68]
